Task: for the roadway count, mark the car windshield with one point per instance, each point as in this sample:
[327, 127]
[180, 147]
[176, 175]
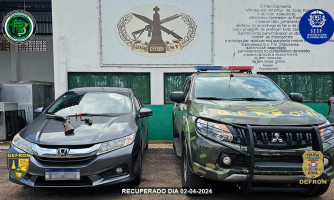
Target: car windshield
[98, 103]
[237, 88]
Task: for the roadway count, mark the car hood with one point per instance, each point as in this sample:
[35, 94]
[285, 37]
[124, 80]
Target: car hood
[51, 132]
[257, 112]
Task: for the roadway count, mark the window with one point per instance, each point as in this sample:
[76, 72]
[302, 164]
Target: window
[138, 82]
[92, 102]
[315, 87]
[237, 87]
[173, 82]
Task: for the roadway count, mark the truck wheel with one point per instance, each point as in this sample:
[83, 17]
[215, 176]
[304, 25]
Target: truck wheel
[319, 189]
[137, 180]
[189, 180]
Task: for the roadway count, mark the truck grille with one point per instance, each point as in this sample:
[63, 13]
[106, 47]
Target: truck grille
[274, 139]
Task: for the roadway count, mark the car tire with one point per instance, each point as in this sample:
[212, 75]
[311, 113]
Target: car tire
[138, 178]
[189, 179]
[318, 189]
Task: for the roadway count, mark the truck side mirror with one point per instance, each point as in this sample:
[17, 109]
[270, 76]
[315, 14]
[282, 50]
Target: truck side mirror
[296, 97]
[177, 97]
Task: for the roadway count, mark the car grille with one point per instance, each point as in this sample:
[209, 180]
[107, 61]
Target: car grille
[269, 139]
[65, 161]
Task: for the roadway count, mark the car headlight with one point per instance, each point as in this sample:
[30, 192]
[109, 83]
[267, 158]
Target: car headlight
[22, 144]
[116, 144]
[327, 134]
[215, 131]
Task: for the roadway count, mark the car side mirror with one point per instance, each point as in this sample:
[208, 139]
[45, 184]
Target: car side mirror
[38, 111]
[296, 97]
[145, 112]
[177, 97]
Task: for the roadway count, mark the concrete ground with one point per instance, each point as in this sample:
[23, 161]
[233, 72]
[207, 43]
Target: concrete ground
[161, 168]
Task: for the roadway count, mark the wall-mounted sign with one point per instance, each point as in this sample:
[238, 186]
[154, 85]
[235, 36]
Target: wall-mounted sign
[275, 35]
[316, 26]
[151, 32]
[144, 31]
[19, 26]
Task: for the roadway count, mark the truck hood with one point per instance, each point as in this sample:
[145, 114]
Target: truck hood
[256, 112]
[46, 131]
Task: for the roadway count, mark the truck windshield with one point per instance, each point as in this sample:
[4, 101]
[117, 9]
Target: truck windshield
[237, 88]
[91, 102]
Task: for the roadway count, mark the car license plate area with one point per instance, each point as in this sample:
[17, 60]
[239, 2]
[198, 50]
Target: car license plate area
[62, 174]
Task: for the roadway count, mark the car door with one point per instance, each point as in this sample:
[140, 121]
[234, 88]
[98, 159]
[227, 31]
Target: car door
[142, 122]
[180, 108]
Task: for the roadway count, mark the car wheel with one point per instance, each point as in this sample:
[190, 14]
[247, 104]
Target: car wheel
[137, 180]
[189, 180]
[318, 189]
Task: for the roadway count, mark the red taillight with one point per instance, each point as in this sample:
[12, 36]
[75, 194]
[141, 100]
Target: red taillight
[241, 68]
[329, 106]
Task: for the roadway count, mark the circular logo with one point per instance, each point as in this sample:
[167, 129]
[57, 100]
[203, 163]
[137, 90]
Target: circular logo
[156, 30]
[316, 26]
[19, 26]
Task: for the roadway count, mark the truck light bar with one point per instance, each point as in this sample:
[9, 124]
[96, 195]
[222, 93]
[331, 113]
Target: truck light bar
[241, 68]
[205, 68]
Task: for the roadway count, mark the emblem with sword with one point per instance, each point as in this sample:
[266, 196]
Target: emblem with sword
[154, 28]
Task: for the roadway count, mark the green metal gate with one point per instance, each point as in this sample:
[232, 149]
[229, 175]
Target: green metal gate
[139, 82]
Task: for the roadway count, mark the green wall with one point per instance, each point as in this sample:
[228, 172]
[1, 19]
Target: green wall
[161, 126]
[321, 108]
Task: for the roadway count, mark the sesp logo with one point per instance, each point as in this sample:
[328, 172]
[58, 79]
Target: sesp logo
[19, 26]
[316, 26]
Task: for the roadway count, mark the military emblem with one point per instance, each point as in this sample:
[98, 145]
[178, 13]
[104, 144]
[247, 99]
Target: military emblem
[156, 30]
[19, 26]
[18, 164]
[313, 164]
[317, 19]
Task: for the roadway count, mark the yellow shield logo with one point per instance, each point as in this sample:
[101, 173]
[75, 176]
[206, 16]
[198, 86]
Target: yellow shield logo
[313, 163]
[18, 164]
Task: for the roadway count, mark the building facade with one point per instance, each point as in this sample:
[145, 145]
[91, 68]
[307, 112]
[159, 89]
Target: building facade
[152, 46]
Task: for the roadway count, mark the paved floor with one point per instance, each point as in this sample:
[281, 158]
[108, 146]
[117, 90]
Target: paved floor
[161, 168]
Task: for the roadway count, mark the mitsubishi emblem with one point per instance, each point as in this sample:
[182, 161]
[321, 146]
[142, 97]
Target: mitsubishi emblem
[277, 138]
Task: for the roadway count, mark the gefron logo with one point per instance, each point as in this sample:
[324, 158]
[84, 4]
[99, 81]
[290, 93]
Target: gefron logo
[19, 26]
[18, 164]
[62, 152]
[156, 30]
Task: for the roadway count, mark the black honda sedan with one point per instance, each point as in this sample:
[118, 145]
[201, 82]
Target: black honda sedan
[87, 137]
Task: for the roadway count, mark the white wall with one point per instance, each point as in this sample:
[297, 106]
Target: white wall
[27, 65]
[76, 40]
[4, 66]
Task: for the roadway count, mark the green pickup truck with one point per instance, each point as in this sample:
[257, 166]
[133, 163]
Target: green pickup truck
[242, 128]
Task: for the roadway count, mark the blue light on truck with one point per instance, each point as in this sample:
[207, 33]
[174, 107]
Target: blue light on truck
[205, 68]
